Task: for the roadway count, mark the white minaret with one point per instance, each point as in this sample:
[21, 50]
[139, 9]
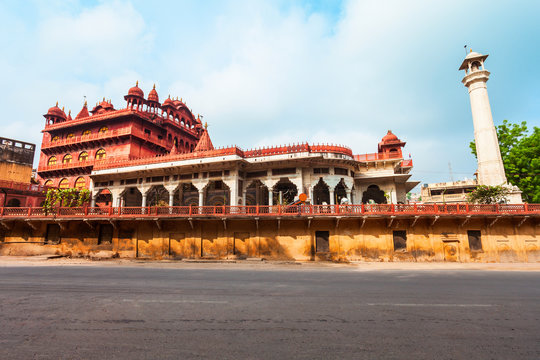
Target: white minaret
[490, 165]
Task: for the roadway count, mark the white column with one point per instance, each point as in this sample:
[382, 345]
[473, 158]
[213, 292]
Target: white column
[332, 202]
[270, 197]
[201, 197]
[490, 165]
[171, 198]
[244, 197]
[143, 199]
[349, 196]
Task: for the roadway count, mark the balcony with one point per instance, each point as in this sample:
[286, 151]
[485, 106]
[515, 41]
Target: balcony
[276, 211]
[99, 139]
[377, 157]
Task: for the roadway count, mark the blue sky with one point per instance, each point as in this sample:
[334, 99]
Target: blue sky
[274, 72]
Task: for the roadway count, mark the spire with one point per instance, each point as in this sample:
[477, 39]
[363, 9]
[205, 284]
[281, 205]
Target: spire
[137, 83]
[83, 113]
[204, 144]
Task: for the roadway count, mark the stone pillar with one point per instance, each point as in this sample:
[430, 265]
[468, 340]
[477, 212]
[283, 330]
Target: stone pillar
[270, 197]
[244, 197]
[201, 197]
[93, 201]
[171, 198]
[332, 201]
[349, 196]
[143, 199]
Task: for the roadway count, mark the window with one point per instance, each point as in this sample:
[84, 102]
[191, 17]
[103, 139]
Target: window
[67, 159]
[86, 132]
[147, 132]
[69, 136]
[83, 156]
[51, 161]
[63, 184]
[103, 130]
[285, 171]
[80, 183]
[400, 240]
[48, 183]
[341, 171]
[475, 240]
[101, 154]
[321, 170]
[322, 243]
[55, 138]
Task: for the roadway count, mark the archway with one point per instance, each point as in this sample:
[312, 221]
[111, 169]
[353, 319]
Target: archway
[321, 193]
[217, 193]
[132, 197]
[285, 191]
[13, 203]
[104, 198]
[157, 196]
[257, 193]
[186, 195]
[373, 194]
[340, 192]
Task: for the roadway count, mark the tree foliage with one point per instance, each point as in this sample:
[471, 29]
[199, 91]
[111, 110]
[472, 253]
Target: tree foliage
[520, 152]
[65, 198]
[484, 194]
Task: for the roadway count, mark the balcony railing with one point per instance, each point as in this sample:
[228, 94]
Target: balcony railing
[272, 211]
[377, 156]
[22, 186]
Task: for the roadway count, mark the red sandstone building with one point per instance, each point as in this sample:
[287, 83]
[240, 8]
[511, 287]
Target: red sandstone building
[144, 128]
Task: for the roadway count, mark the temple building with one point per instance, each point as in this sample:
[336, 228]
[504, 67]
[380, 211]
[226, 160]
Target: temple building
[151, 153]
[328, 174]
[71, 147]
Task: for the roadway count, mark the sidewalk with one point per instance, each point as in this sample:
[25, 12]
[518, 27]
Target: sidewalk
[257, 264]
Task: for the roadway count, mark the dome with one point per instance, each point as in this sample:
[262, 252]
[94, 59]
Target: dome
[136, 91]
[389, 137]
[56, 111]
[168, 102]
[472, 54]
[152, 95]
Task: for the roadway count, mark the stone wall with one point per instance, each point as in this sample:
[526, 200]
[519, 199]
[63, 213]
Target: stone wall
[374, 239]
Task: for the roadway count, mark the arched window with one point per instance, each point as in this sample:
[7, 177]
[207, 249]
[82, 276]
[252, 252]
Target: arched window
[103, 130]
[80, 183]
[55, 138]
[51, 161]
[63, 184]
[67, 159]
[83, 156]
[69, 136]
[48, 183]
[101, 154]
[86, 132]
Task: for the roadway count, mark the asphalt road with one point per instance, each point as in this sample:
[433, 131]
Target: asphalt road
[70, 312]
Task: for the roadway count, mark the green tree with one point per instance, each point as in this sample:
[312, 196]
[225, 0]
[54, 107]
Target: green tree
[484, 194]
[520, 152]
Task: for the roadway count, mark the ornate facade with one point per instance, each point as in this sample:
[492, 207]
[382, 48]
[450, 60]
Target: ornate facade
[71, 147]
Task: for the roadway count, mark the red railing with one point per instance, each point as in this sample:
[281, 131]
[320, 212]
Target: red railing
[233, 150]
[273, 211]
[376, 156]
[22, 186]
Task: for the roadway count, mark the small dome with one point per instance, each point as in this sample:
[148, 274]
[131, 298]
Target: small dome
[136, 91]
[472, 54]
[168, 102]
[389, 137]
[56, 111]
[152, 95]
